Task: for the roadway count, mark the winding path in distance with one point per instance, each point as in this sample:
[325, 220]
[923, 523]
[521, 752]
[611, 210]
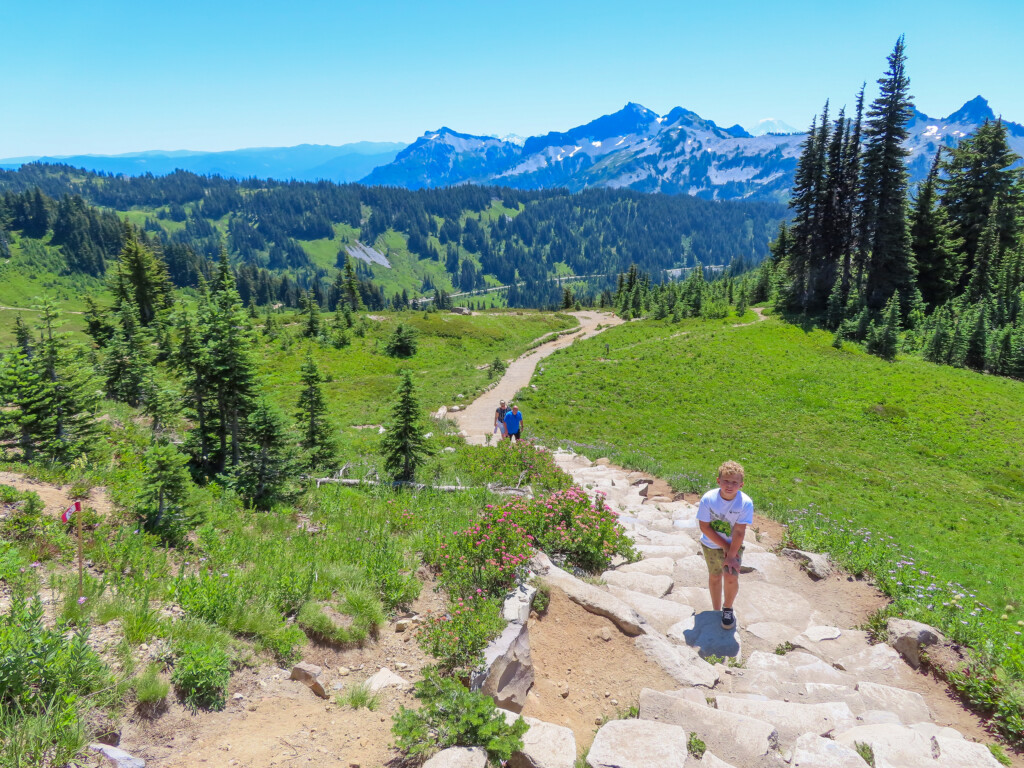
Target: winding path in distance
[477, 420]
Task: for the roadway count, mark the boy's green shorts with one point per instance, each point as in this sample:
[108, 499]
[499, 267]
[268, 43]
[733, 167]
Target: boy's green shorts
[715, 558]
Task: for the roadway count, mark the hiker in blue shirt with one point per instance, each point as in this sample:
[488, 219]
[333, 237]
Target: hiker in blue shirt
[514, 423]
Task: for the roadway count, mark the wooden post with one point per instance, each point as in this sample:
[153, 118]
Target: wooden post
[81, 566]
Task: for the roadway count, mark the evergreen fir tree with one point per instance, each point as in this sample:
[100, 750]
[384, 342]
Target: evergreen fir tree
[403, 446]
[26, 406]
[934, 245]
[166, 486]
[311, 313]
[317, 437]
[884, 185]
[230, 362]
[977, 339]
[352, 296]
[402, 342]
[142, 275]
[263, 475]
[128, 364]
[23, 337]
[98, 327]
[978, 175]
[979, 287]
[884, 341]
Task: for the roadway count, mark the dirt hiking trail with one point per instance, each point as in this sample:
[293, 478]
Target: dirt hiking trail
[477, 420]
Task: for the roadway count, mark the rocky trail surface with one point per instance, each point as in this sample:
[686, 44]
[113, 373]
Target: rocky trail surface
[794, 686]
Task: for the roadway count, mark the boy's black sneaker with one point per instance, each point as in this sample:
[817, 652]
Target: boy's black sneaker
[728, 619]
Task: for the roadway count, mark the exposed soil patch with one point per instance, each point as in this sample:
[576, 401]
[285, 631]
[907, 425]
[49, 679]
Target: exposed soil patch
[273, 721]
[569, 648]
[55, 497]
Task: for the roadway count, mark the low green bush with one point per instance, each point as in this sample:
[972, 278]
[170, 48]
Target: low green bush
[451, 715]
[201, 674]
[457, 638]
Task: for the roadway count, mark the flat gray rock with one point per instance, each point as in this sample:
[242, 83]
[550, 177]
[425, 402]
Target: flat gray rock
[517, 605]
[703, 632]
[117, 757]
[590, 598]
[697, 597]
[897, 746]
[710, 761]
[545, 745]
[638, 744]
[458, 757]
[772, 632]
[874, 663]
[819, 633]
[692, 571]
[658, 550]
[733, 736]
[813, 751]
[655, 586]
[384, 679]
[761, 601]
[798, 667]
[654, 566]
[660, 613]
[680, 662]
[792, 719]
[909, 706]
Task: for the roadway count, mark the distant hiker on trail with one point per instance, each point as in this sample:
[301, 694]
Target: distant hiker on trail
[499, 420]
[514, 424]
[723, 515]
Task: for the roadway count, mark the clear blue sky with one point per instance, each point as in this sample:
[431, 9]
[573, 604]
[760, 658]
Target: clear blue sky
[109, 77]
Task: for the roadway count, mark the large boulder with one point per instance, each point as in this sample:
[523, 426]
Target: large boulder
[590, 598]
[909, 637]
[458, 757]
[507, 673]
[517, 605]
[735, 737]
[638, 744]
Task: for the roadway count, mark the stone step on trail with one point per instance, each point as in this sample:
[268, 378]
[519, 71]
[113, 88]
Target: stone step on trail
[732, 736]
[898, 746]
[653, 566]
[792, 719]
[640, 744]
[660, 613]
[654, 586]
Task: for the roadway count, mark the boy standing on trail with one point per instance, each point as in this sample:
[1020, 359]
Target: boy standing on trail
[514, 424]
[724, 514]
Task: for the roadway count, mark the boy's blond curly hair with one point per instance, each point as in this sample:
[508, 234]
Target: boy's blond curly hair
[731, 468]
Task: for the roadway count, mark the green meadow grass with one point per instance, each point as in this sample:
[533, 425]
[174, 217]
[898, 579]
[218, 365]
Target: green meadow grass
[928, 455]
[363, 379]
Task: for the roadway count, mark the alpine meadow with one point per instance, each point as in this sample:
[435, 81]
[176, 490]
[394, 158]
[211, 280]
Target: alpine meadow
[250, 512]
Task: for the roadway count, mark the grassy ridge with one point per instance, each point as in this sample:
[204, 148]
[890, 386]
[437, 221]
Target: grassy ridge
[926, 454]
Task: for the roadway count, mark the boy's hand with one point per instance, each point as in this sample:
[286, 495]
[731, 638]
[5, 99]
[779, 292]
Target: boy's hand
[732, 564]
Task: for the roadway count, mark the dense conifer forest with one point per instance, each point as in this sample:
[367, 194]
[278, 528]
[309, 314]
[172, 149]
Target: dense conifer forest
[937, 270]
[284, 238]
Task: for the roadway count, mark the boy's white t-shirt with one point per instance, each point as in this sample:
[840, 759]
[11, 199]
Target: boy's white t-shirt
[740, 510]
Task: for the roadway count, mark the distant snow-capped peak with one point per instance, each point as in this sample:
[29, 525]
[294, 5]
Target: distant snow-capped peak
[770, 125]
